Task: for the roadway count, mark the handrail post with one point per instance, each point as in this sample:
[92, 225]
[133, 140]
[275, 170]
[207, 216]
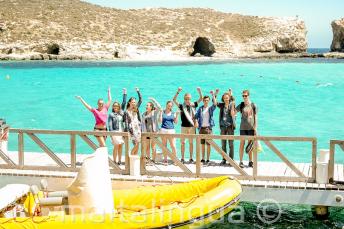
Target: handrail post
[73, 150]
[314, 159]
[331, 162]
[21, 149]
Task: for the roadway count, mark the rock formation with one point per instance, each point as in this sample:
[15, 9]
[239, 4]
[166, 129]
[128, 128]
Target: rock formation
[338, 36]
[68, 29]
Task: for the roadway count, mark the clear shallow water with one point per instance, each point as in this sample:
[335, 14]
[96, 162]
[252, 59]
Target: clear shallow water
[294, 98]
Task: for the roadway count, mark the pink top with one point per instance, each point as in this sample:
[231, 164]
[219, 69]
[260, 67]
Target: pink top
[100, 116]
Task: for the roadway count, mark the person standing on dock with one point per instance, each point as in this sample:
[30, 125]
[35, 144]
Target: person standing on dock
[100, 115]
[150, 124]
[227, 121]
[116, 124]
[132, 121]
[168, 118]
[248, 125]
[205, 122]
[187, 113]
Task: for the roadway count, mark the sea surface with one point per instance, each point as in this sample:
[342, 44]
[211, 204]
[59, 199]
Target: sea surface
[302, 97]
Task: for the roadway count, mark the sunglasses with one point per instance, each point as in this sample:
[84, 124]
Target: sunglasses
[244, 96]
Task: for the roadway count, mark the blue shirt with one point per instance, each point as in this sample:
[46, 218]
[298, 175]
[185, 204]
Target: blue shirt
[167, 121]
[199, 116]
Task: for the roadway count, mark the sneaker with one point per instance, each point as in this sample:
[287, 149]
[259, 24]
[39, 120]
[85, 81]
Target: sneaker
[241, 164]
[191, 161]
[182, 161]
[203, 161]
[223, 162]
[250, 164]
[207, 162]
[119, 163]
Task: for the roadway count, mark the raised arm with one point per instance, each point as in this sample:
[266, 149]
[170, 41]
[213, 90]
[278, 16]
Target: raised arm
[140, 97]
[199, 90]
[176, 96]
[124, 100]
[84, 103]
[214, 98]
[216, 93]
[156, 104]
[108, 104]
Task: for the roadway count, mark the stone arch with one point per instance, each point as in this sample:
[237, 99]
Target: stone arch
[53, 49]
[203, 46]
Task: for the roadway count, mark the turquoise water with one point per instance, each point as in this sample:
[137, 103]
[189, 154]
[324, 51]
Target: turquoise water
[294, 98]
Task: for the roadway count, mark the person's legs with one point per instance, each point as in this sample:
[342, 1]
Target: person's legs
[208, 152]
[208, 131]
[115, 152]
[135, 149]
[101, 141]
[182, 147]
[148, 148]
[191, 148]
[164, 142]
[231, 143]
[203, 144]
[153, 150]
[223, 142]
[173, 146]
[119, 153]
[241, 150]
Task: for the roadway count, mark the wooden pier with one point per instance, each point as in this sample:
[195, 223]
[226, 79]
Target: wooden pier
[284, 181]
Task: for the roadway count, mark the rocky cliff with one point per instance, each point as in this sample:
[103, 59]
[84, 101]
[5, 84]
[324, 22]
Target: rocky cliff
[72, 29]
[338, 36]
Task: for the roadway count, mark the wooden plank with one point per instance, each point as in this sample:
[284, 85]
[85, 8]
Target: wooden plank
[113, 165]
[89, 142]
[314, 158]
[331, 162]
[284, 159]
[46, 149]
[68, 132]
[341, 145]
[224, 155]
[172, 156]
[7, 159]
[21, 159]
[73, 150]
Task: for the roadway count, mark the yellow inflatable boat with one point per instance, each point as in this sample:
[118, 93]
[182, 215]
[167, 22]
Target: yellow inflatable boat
[185, 205]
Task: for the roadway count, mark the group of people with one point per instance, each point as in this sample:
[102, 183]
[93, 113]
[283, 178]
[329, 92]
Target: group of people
[126, 117]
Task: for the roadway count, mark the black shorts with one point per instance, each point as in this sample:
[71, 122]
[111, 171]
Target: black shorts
[100, 129]
[247, 132]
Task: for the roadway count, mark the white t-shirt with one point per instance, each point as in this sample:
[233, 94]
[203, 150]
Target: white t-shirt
[205, 115]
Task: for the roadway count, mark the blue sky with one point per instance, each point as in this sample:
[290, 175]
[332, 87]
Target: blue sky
[318, 14]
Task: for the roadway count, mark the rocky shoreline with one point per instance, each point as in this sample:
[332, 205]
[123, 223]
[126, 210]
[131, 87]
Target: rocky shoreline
[88, 57]
[76, 30]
